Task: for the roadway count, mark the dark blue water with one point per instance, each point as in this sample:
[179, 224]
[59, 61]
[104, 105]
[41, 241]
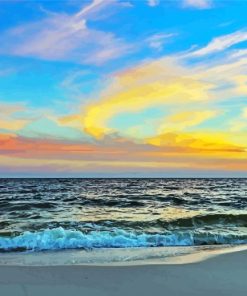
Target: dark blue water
[43, 214]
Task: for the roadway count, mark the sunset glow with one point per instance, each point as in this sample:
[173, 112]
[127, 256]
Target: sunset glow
[112, 88]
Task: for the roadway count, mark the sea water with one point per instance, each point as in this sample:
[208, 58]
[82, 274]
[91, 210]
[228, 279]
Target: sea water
[140, 214]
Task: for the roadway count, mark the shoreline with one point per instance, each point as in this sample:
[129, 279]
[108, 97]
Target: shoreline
[118, 257]
[219, 275]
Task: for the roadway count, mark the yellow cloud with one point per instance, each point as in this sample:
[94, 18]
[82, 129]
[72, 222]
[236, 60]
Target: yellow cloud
[164, 82]
[202, 143]
[12, 124]
[153, 84]
[190, 95]
[7, 119]
[185, 119]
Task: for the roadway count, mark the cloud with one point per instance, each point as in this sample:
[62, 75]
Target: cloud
[167, 84]
[148, 85]
[239, 53]
[228, 76]
[93, 7]
[182, 120]
[157, 41]
[18, 146]
[194, 103]
[153, 3]
[194, 127]
[7, 109]
[47, 128]
[199, 4]
[10, 119]
[166, 152]
[12, 124]
[57, 149]
[221, 43]
[62, 36]
[201, 143]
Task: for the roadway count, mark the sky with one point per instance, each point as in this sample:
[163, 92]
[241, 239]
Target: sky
[130, 88]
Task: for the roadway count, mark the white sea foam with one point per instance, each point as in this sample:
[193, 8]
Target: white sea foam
[60, 238]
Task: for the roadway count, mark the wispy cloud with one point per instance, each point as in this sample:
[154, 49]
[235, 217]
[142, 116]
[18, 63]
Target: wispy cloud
[199, 4]
[172, 112]
[65, 37]
[8, 109]
[182, 120]
[153, 3]
[221, 43]
[157, 41]
[150, 84]
[9, 119]
[192, 95]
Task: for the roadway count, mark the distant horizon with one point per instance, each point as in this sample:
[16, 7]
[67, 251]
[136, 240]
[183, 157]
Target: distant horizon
[208, 176]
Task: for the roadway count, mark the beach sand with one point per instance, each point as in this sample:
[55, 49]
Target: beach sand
[220, 275]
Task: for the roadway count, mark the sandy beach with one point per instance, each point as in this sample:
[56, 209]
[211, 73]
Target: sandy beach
[221, 275]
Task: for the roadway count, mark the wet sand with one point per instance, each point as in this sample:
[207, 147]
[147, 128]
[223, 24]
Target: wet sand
[221, 275]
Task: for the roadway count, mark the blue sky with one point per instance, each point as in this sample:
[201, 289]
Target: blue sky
[165, 78]
[132, 22]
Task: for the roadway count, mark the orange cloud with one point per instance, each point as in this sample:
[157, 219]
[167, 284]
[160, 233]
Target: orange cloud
[166, 152]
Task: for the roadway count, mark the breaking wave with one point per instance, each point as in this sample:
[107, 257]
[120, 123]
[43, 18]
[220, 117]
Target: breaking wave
[60, 238]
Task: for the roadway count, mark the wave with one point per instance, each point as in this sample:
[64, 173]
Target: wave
[198, 221]
[60, 238]
[210, 219]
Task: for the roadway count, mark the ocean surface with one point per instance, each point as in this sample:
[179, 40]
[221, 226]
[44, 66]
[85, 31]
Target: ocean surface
[90, 214]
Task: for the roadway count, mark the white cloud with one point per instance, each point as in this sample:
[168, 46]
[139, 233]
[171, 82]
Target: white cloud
[199, 4]
[65, 37]
[157, 41]
[239, 53]
[95, 5]
[153, 3]
[221, 43]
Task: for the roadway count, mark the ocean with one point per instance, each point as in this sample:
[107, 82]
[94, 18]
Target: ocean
[39, 215]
